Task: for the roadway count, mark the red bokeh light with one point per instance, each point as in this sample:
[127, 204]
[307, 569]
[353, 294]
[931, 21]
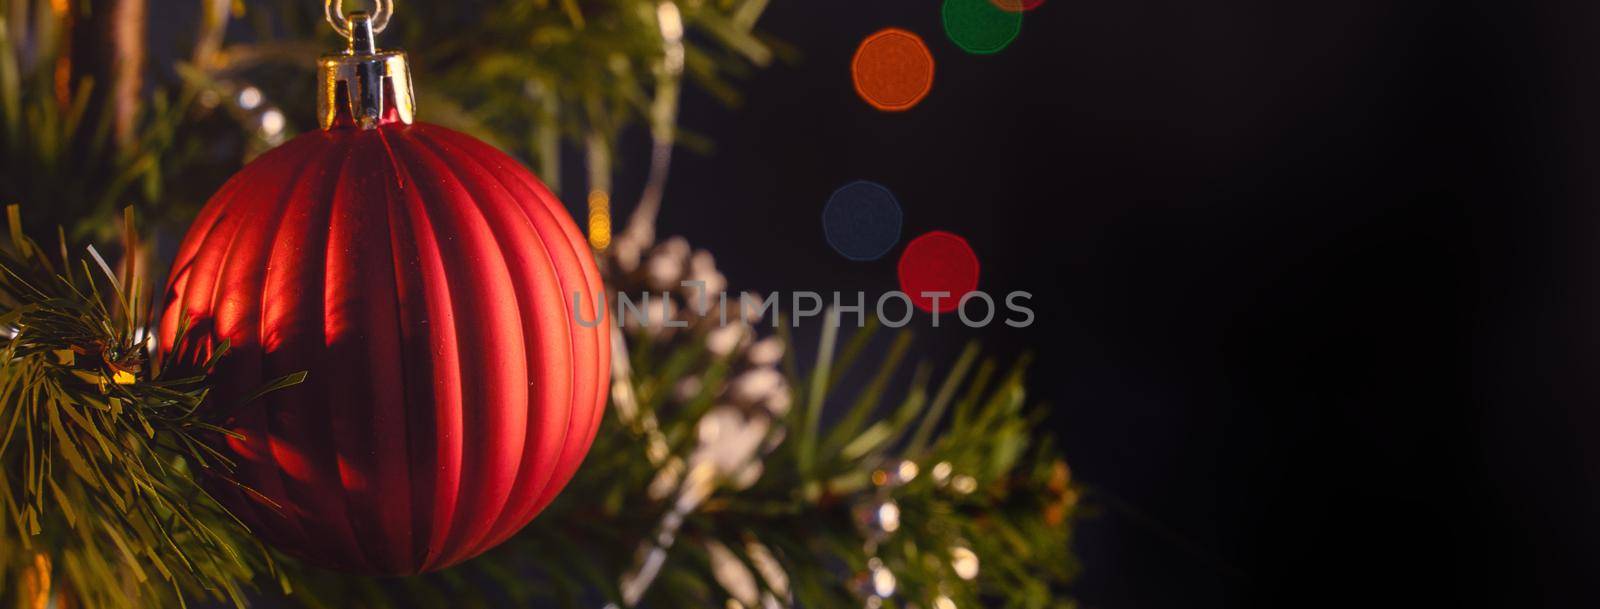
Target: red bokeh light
[938, 262]
[1016, 6]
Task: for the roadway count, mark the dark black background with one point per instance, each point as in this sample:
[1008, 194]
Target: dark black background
[1314, 280]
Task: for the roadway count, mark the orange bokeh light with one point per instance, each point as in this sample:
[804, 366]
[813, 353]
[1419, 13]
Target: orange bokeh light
[892, 69]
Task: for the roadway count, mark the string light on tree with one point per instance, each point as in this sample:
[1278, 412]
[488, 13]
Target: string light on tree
[249, 98]
[964, 562]
[599, 220]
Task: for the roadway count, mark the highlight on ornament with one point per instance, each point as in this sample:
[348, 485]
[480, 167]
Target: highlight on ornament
[892, 69]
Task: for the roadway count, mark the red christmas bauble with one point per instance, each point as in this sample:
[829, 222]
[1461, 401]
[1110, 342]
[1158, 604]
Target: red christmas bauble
[431, 286]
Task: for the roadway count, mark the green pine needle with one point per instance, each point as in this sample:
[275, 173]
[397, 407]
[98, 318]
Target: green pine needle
[102, 460]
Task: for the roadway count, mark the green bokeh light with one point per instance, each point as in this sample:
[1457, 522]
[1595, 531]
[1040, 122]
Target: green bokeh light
[979, 27]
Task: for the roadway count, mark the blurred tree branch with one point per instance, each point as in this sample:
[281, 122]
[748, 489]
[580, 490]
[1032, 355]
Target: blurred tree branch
[108, 48]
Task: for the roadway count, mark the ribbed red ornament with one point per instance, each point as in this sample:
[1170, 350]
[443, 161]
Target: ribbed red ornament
[427, 282]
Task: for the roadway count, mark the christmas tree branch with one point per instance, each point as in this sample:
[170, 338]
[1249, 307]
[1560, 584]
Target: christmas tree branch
[694, 493]
[101, 499]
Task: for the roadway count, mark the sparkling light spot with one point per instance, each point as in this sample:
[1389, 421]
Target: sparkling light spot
[599, 232]
[882, 582]
[978, 26]
[892, 69]
[907, 471]
[249, 98]
[272, 122]
[938, 262]
[964, 562]
[862, 220]
[599, 220]
[889, 517]
[964, 484]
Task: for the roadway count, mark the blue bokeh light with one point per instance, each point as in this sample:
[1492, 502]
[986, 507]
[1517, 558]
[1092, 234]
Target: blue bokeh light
[862, 220]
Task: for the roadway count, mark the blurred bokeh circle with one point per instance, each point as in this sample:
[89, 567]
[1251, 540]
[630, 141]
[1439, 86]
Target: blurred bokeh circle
[862, 220]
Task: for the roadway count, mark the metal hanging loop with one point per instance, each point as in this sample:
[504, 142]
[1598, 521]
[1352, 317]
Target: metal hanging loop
[333, 10]
[363, 85]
